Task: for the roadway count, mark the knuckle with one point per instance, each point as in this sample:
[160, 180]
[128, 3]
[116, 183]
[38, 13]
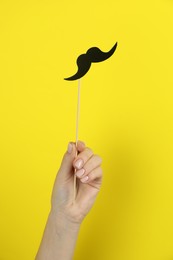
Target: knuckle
[88, 151]
[86, 154]
[101, 171]
[97, 173]
[99, 159]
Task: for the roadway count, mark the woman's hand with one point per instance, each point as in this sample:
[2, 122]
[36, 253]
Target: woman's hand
[66, 215]
[87, 168]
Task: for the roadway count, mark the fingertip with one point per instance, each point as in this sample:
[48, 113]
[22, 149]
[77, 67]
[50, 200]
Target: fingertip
[67, 160]
[70, 148]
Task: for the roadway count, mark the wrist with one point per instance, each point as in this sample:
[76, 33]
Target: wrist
[59, 238]
[72, 213]
[63, 223]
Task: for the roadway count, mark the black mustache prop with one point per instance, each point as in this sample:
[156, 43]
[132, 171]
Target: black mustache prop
[84, 61]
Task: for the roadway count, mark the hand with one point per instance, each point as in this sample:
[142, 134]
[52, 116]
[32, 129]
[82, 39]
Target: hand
[66, 215]
[88, 185]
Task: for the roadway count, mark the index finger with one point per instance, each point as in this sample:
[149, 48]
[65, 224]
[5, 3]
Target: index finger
[80, 146]
[82, 158]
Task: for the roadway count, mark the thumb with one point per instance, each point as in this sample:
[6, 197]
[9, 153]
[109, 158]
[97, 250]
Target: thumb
[66, 169]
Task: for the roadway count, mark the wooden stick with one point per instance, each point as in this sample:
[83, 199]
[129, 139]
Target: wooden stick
[77, 133]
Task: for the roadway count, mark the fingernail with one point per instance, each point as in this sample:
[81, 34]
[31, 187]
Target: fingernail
[78, 164]
[70, 148]
[84, 179]
[80, 173]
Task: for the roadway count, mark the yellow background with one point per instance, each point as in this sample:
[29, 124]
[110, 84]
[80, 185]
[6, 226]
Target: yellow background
[126, 117]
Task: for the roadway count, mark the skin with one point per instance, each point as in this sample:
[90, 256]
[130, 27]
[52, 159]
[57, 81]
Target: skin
[66, 215]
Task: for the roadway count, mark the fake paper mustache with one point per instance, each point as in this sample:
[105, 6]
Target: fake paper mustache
[84, 61]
